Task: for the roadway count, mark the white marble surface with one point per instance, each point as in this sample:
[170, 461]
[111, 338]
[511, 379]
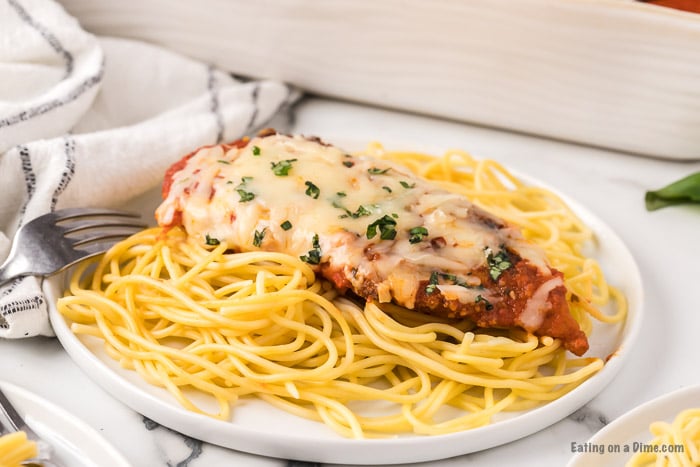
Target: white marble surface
[664, 243]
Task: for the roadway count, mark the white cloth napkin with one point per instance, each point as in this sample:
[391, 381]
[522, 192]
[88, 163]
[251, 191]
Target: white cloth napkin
[92, 121]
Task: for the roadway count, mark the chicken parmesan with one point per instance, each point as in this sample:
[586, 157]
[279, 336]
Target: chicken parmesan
[370, 227]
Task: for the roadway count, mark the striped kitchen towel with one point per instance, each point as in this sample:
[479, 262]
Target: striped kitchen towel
[95, 121]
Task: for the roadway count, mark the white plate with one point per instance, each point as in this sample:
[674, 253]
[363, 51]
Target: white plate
[633, 427]
[74, 443]
[261, 429]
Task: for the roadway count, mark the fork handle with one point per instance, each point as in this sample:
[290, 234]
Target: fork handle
[5, 278]
[12, 420]
[12, 268]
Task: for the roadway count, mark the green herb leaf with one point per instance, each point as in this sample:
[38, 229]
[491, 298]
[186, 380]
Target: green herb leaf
[211, 240]
[449, 277]
[456, 281]
[348, 163]
[286, 225]
[685, 190]
[407, 185]
[336, 204]
[377, 171]
[282, 168]
[222, 161]
[386, 226]
[258, 237]
[314, 255]
[497, 263]
[486, 303]
[432, 282]
[312, 190]
[360, 212]
[341, 194]
[245, 195]
[416, 234]
[256, 150]
[386, 188]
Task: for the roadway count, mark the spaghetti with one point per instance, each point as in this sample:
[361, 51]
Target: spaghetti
[199, 319]
[674, 444]
[15, 448]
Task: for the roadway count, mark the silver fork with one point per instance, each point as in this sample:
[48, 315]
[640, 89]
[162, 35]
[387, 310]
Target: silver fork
[57, 240]
[13, 421]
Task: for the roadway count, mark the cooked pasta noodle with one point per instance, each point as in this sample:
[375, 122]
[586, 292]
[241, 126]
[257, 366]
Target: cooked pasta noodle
[677, 443]
[15, 448]
[198, 319]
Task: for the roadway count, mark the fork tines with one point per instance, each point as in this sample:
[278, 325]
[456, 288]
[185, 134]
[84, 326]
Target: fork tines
[94, 230]
[55, 241]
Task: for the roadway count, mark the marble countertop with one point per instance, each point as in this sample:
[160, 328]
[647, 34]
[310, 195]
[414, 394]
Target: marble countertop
[612, 185]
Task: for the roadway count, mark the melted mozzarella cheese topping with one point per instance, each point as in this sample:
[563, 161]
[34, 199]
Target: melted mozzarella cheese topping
[280, 192]
[537, 305]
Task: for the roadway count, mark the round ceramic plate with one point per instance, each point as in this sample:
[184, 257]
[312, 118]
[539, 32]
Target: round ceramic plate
[618, 441]
[258, 428]
[73, 442]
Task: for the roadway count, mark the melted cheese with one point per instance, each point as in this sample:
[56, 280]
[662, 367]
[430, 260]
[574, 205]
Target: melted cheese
[233, 195]
[537, 305]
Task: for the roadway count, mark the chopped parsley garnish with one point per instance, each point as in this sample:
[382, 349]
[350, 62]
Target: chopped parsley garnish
[314, 255]
[245, 195]
[211, 240]
[407, 185]
[497, 263]
[282, 168]
[486, 303]
[435, 276]
[222, 161]
[377, 171]
[386, 188]
[258, 236]
[457, 281]
[341, 194]
[360, 212]
[336, 204]
[256, 150]
[449, 277]
[348, 163]
[286, 225]
[432, 283]
[312, 190]
[386, 226]
[416, 234]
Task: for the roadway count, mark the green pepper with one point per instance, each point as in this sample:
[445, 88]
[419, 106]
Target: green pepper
[685, 190]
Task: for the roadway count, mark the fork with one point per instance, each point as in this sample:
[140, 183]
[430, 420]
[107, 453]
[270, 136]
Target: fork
[12, 421]
[59, 239]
